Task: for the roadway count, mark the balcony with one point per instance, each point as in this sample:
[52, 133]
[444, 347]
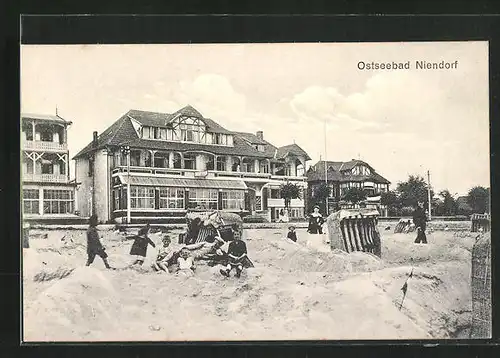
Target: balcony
[45, 178]
[44, 146]
[210, 173]
[294, 203]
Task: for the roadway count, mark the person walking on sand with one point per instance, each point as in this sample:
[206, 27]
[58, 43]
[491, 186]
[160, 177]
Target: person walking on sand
[420, 219]
[94, 246]
[140, 246]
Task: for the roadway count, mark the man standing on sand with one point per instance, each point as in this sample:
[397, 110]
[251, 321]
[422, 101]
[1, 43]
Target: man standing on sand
[94, 246]
[420, 219]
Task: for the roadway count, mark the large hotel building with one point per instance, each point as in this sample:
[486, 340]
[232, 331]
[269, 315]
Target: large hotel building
[157, 166]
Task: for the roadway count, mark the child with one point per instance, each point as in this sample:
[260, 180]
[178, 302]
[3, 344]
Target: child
[292, 235]
[186, 263]
[94, 246]
[140, 245]
[237, 253]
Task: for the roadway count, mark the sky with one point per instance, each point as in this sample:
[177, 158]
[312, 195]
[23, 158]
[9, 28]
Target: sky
[402, 122]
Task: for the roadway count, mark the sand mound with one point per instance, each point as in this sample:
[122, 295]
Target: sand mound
[84, 299]
[400, 249]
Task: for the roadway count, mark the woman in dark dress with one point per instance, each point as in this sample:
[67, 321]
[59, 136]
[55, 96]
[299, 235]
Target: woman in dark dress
[140, 245]
[316, 222]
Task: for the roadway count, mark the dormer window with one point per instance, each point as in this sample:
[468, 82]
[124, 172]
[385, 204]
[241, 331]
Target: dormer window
[361, 170]
[260, 147]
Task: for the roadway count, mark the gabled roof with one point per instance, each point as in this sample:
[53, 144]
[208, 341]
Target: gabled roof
[122, 132]
[45, 117]
[293, 149]
[156, 119]
[119, 132]
[189, 111]
[251, 138]
[335, 172]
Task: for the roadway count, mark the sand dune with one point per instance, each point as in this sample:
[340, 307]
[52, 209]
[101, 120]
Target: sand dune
[294, 292]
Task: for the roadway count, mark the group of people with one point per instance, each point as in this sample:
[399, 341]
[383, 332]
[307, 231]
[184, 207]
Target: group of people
[236, 258]
[178, 258]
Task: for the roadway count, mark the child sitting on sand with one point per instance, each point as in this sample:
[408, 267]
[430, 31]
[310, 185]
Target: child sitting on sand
[237, 255]
[186, 263]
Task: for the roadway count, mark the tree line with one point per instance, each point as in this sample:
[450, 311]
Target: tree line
[402, 200]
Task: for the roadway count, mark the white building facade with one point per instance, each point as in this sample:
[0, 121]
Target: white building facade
[46, 188]
[174, 163]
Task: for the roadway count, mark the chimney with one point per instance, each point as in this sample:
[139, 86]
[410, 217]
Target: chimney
[260, 135]
[94, 141]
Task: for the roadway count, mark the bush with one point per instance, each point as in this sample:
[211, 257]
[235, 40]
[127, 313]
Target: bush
[254, 219]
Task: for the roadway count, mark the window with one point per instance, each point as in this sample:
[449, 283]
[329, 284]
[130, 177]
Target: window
[260, 148]
[171, 198]
[163, 133]
[135, 158]
[296, 213]
[264, 168]
[30, 201]
[47, 168]
[209, 138]
[233, 200]
[91, 167]
[275, 194]
[142, 197]
[203, 198]
[230, 140]
[116, 199]
[220, 139]
[221, 164]
[57, 201]
[161, 160]
[210, 163]
[145, 132]
[189, 161]
[170, 134]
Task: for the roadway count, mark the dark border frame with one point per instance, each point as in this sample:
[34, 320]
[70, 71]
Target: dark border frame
[118, 29]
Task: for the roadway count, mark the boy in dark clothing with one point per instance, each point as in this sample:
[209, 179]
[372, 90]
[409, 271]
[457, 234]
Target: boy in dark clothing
[237, 255]
[419, 219]
[94, 246]
[292, 235]
[140, 245]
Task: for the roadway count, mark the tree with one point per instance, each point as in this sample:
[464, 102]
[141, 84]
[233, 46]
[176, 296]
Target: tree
[320, 192]
[391, 200]
[354, 195]
[448, 205]
[289, 191]
[479, 199]
[412, 191]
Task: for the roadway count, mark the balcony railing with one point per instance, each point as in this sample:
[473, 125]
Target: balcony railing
[211, 173]
[281, 202]
[45, 146]
[45, 178]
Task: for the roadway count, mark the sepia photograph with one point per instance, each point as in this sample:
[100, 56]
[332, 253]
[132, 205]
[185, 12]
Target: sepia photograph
[255, 192]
